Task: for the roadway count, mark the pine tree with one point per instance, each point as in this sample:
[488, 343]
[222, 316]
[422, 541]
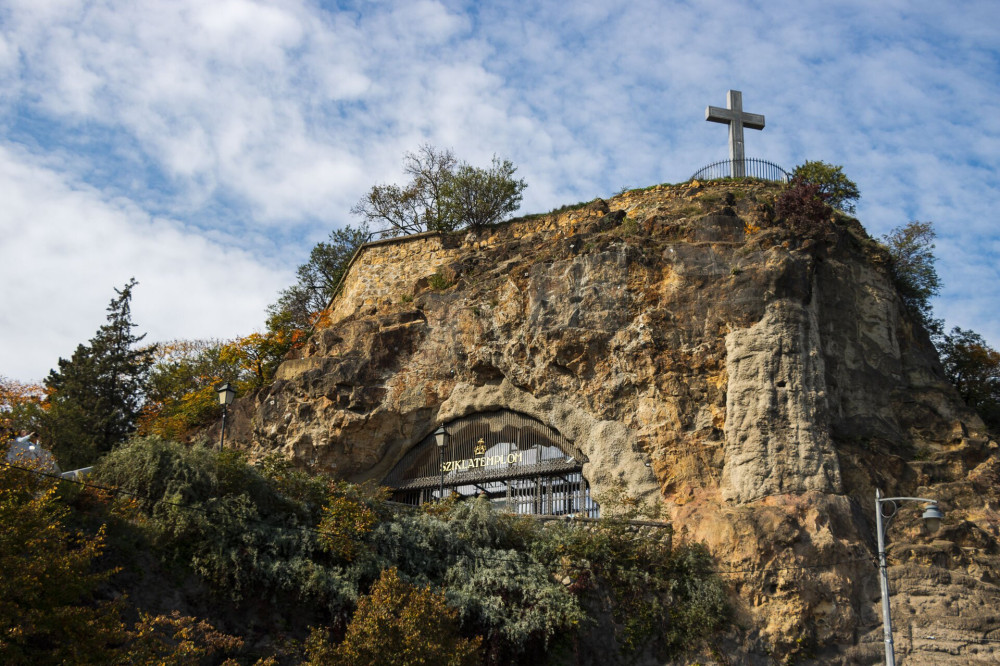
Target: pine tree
[95, 396]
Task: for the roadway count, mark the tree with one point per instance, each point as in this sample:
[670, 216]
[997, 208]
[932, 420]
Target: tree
[48, 614]
[836, 188]
[180, 389]
[257, 356]
[398, 623]
[974, 368]
[482, 197]
[912, 250]
[47, 583]
[20, 407]
[298, 305]
[443, 195]
[95, 397]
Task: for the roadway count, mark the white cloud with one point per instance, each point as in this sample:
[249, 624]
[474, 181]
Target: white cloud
[65, 248]
[276, 116]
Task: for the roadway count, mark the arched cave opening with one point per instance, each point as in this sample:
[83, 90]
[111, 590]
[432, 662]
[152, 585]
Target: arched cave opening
[518, 463]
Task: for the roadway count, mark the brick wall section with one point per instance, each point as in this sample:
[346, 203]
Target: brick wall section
[384, 271]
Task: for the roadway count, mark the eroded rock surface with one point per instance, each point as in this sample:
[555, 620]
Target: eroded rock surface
[757, 383]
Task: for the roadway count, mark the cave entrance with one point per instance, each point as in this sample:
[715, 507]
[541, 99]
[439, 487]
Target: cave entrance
[518, 463]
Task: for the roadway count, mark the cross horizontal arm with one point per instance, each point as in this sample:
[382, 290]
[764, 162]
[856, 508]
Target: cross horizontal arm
[719, 115]
[726, 116]
[753, 121]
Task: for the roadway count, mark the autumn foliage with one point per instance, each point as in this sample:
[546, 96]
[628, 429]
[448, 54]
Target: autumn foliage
[181, 393]
[20, 406]
[399, 623]
[50, 610]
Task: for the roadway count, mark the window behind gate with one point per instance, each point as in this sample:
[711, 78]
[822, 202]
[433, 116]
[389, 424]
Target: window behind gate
[517, 462]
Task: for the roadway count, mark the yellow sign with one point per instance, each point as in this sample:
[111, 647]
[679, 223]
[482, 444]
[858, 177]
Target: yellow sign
[481, 461]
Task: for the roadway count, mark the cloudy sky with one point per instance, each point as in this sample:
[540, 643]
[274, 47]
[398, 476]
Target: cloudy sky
[205, 147]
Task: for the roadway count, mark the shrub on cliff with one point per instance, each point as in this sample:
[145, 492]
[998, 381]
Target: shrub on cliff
[298, 306]
[803, 206]
[974, 368]
[835, 187]
[912, 249]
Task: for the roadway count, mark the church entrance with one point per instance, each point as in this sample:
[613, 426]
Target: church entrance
[517, 463]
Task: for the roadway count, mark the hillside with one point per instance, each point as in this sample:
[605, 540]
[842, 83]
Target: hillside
[756, 381]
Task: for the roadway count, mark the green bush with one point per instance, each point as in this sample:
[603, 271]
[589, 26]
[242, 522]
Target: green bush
[224, 520]
[438, 282]
[835, 188]
[269, 534]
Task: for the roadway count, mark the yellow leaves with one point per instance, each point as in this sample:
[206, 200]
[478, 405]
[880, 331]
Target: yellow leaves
[47, 579]
[17, 401]
[346, 519]
[399, 623]
[175, 639]
[258, 354]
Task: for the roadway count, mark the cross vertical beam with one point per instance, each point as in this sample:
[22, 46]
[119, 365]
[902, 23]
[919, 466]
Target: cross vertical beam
[737, 119]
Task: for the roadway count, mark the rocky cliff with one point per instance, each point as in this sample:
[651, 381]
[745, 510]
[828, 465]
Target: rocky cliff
[757, 382]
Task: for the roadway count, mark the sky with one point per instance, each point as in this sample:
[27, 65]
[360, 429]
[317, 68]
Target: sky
[205, 147]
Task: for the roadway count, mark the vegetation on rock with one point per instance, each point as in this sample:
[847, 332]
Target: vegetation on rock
[834, 187]
[974, 368]
[442, 195]
[298, 306]
[312, 549]
[803, 206]
[912, 249]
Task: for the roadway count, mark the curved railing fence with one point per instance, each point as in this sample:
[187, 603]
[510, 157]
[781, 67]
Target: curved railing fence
[750, 167]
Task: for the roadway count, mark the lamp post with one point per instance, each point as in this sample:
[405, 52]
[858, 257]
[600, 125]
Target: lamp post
[226, 395]
[932, 516]
[441, 438]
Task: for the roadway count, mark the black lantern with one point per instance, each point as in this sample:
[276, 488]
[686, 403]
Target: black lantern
[441, 438]
[226, 395]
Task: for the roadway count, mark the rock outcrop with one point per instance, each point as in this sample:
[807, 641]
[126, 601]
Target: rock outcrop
[757, 382]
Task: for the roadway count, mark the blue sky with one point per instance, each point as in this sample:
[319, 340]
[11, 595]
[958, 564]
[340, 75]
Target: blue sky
[205, 147]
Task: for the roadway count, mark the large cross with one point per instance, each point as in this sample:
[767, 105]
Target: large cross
[737, 120]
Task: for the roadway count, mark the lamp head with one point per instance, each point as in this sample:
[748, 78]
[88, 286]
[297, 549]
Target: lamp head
[440, 436]
[932, 517]
[226, 393]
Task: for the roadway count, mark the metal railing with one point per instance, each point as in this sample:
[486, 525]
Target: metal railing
[750, 167]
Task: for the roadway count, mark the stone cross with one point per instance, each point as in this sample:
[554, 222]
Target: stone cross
[737, 120]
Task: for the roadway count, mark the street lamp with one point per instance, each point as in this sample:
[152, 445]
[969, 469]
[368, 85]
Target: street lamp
[226, 395]
[441, 438]
[932, 517]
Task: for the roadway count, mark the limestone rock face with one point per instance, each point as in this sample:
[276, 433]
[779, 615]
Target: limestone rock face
[756, 383]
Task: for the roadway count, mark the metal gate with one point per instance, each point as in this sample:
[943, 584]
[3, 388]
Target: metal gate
[516, 462]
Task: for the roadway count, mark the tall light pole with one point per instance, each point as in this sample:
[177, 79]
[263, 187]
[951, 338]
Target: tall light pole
[441, 438]
[932, 517]
[226, 395]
